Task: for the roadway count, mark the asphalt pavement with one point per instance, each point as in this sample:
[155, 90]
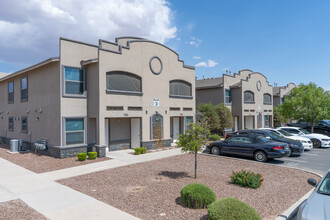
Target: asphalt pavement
[315, 160]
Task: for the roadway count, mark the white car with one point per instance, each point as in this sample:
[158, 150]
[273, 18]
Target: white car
[318, 140]
[306, 142]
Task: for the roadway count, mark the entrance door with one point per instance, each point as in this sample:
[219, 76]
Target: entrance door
[135, 132]
[249, 122]
[176, 128]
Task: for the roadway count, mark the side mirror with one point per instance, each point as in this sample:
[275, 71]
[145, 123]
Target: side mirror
[312, 182]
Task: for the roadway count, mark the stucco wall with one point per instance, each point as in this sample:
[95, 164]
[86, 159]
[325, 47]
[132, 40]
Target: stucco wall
[213, 96]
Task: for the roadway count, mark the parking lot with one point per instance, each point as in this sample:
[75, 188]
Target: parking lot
[316, 160]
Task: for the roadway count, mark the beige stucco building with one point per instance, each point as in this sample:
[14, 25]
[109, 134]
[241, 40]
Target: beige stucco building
[248, 95]
[115, 95]
[280, 92]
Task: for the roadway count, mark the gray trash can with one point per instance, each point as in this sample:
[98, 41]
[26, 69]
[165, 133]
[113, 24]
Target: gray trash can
[14, 145]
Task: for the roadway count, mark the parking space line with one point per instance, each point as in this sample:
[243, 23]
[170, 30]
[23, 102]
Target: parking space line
[311, 154]
[299, 161]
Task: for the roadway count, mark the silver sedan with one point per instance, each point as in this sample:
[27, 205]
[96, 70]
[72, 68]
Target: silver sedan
[317, 206]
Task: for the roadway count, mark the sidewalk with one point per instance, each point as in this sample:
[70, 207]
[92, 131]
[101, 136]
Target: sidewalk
[52, 199]
[119, 158]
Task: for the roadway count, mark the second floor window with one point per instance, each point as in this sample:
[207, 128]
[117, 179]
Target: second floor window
[267, 99]
[24, 89]
[248, 96]
[180, 88]
[74, 81]
[11, 92]
[123, 82]
[228, 96]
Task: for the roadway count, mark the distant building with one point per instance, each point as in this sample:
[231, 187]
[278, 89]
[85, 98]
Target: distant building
[115, 95]
[248, 95]
[280, 92]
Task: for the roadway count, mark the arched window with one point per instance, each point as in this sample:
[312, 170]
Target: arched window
[267, 98]
[123, 82]
[180, 88]
[248, 96]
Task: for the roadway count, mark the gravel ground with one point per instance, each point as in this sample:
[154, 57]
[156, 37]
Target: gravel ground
[18, 210]
[151, 190]
[42, 163]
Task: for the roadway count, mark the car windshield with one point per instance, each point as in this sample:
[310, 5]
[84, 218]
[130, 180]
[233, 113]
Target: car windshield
[304, 131]
[274, 135]
[325, 186]
[326, 122]
[285, 133]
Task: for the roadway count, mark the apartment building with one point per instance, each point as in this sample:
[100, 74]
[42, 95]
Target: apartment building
[247, 93]
[115, 95]
[280, 92]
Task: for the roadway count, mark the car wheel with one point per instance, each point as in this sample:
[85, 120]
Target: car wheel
[215, 150]
[316, 143]
[260, 156]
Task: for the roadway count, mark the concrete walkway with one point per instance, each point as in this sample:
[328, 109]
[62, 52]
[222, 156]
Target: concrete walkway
[56, 201]
[119, 159]
[53, 200]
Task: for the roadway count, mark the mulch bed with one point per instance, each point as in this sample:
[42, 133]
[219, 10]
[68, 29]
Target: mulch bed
[17, 209]
[43, 163]
[151, 190]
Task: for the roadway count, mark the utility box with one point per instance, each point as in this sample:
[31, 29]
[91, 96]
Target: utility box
[14, 145]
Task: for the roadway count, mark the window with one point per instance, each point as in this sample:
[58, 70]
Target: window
[240, 140]
[282, 100]
[228, 96]
[180, 88]
[24, 124]
[11, 92]
[124, 82]
[266, 117]
[267, 99]
[248, 96]
[11, 124]
[24, 89]
[74, 131]
[74, 81]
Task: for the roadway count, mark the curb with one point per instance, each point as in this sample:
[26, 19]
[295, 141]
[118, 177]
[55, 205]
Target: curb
[291, 209]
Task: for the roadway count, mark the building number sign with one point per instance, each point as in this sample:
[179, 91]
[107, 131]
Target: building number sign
[156, 102]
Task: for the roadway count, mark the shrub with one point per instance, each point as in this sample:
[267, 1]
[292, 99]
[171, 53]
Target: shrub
[197, 195]
[82, 156]
[92, 155]
[214, 137]
[231, 208]
[247, 178]
[143, 150]
[137, 150]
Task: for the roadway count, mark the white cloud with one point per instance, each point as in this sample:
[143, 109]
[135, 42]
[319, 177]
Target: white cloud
[196, 57]
[194, 41]
[208, 63]
[204, 64]
[30, 29]
[211, 63]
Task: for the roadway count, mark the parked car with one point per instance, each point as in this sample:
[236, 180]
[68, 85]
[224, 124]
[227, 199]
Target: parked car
[323, 127]
[318, 140]
[250, 145]
[296, 147]
[317, 206]
[306, 142]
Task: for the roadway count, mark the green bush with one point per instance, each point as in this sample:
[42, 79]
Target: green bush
[247, 178]
[92, 155]
[137, 151]
[214, 137]
[143, 150]
[231, 208]
[82, 156]
[197, 195]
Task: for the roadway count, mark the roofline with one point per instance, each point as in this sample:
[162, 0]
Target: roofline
[90, 61]
[78, 42]
[38, 65]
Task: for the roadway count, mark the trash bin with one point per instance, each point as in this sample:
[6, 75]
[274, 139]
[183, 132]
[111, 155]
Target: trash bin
[14, 145]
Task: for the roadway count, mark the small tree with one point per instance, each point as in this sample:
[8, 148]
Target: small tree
[209, 115]
[193, 139]
[309, 103]
[278, 117]
[225, 116]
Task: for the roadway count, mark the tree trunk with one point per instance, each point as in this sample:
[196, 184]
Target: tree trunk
[195, 163]
[312, 128]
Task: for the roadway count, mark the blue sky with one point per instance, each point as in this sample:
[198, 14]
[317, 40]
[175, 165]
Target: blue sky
[286, 40]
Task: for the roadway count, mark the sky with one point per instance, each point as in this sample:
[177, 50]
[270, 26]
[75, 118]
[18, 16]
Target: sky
[286, 40]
